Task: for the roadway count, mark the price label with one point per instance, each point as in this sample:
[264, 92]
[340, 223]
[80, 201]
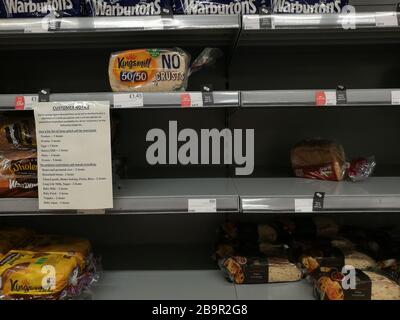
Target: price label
[128, 100]
[387, 19]
[396, 97]
[202, 205]
[192, 99]
[251, 22]
[25, 102]
[303, 205]
[325, 98]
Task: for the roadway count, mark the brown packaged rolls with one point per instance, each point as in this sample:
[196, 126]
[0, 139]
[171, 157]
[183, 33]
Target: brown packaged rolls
[18, 164]
[318, 159]
[17, 133]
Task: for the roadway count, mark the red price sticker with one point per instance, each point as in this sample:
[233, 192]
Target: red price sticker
[186, 101]
[320, 98]
[19, 103]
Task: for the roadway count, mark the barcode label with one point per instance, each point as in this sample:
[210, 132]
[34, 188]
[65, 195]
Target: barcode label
[202, 205]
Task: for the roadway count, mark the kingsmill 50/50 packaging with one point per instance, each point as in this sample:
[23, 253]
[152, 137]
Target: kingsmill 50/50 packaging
[155, 70]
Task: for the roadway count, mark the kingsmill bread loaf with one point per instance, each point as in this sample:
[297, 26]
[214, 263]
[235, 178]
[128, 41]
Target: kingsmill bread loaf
[149, 70]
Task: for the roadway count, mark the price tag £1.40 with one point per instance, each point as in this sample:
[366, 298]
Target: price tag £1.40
[128, 100]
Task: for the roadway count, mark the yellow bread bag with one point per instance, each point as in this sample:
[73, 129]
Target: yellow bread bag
[149, 70]
[33, 275]
[78, 247]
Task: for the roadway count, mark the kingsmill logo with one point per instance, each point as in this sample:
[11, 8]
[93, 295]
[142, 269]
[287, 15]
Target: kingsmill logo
[188, 147]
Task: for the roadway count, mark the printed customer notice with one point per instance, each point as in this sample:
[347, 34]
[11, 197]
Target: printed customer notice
[74, 155]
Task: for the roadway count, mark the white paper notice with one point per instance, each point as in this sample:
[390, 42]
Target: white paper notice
[303, 205]
[74, 155]
[202, 205]
[330, 98]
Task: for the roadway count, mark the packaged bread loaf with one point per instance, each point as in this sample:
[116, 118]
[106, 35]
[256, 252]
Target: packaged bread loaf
[17, 133]
[366, 285]
[246, 270]
[319, 159]
[33, 275]
[18, 174]
[78, 247]
[18, 163]
[148, 70]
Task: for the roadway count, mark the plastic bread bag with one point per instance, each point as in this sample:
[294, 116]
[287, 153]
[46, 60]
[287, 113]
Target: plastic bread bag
[361, 168]
[305, 6]
[249, 270]
[326, 160]
[78, 247]
[333, 285]
[155, 70]
[40, 8]
[19, 163]
[32, 275]
[17, 133]
[117, 8]
[191, 7]
[319, 159]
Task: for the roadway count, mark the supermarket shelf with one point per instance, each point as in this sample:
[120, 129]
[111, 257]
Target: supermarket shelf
[370, 27]
[149, 196]
[164, 285]
[150, 99]
[191, 285]
[148, 31]
[279, 194]
[276, 291]
[292, 98]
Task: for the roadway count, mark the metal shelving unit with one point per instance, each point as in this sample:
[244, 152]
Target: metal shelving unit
[281, 29]
[148, 31]
[279, 194]
[150, 99]
[169, 196]
[301, 98]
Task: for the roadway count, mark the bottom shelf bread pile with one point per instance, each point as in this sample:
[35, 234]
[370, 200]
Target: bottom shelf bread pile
[341, 263]
[36, 266]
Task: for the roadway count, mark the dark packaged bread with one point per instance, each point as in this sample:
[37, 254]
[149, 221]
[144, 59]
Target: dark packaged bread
[253, 270]
[319, 159]
[18, 163]
[367, 285]
[17, 133]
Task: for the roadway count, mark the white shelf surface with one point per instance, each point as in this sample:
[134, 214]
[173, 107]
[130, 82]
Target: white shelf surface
[279, 194]
[164, 285]
[300, 290]
[191, 285]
